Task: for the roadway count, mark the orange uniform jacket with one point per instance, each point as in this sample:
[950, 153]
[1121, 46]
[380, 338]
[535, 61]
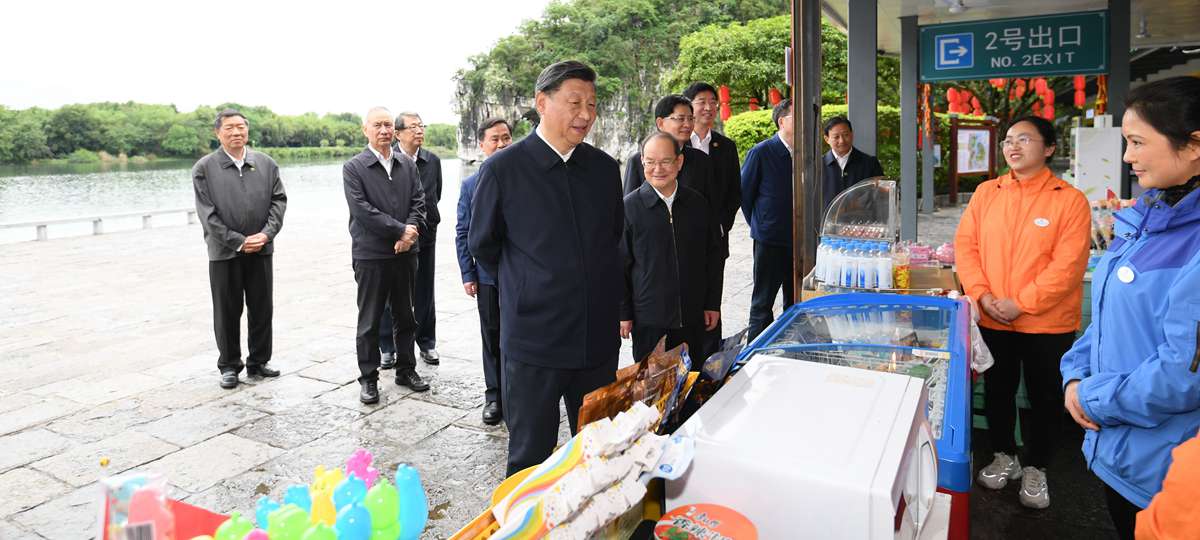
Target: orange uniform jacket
[1027, 240]
[1172, 513]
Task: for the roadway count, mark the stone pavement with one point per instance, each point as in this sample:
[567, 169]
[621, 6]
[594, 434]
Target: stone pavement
[107, 347]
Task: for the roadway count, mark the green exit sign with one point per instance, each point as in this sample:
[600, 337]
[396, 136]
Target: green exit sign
[1064, 44]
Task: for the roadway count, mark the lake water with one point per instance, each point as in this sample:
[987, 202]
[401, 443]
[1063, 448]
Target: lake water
[75, 191]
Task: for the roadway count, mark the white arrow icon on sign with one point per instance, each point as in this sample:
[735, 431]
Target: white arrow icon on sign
[944, 56]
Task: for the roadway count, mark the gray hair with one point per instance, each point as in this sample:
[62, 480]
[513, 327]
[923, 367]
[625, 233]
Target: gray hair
[400, 123]
[556, 74]
[375, 110]
[228, 113]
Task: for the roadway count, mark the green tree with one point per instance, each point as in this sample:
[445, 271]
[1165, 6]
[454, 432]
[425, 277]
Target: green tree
[442, 135]
[73, 127]
[185, 141]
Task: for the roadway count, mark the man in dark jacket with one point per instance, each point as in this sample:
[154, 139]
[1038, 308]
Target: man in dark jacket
[547, 213]
[674, 259]
[673, 115]
[387, 211]
[494, 135]
[767, 206]
[240, 202]
[723, 154]
[845, 165]
[727, 173]
[410, 136]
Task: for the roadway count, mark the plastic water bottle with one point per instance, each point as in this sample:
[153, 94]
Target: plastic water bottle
[862, 262]
[820, 269]
[846, 264]
[883, 266]
[870, 266]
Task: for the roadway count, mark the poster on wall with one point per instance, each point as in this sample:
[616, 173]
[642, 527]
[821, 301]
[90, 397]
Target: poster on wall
[974, 147]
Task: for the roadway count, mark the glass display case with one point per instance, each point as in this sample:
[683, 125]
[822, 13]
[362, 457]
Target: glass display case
[868, 210]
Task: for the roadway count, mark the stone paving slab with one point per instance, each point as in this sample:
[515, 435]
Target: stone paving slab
[9, 530]
[29, 446]
[199, 467]
[408, 421]
[279, 395]
[303, 424]
[80, 465]
[107, 420]
[68, 517]
[192, 426]
[341, 370]
[36, 413]
[31, 488]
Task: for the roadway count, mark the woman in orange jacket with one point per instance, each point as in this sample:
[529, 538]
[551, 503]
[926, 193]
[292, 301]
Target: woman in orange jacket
[1172, 513]
[1022, 250]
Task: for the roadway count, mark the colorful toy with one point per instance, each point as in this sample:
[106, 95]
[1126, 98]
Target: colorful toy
[234, 528]
[353, 523]
[287, 523]
[264, 509]
[147, 505]
[359, 465]
[323, 510]
[414, 507]
[351, 490]
[320, 531]
[299, 496]
[257, 534]
[383, 503]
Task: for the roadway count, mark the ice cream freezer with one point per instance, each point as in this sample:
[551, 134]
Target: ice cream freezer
[923, 337]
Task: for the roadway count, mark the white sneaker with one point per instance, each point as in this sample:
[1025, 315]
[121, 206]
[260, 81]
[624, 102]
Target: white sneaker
[1002, 469]
[1034, 493]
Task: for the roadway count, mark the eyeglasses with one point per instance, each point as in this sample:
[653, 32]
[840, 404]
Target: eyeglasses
[1019, 140]
[683, 119]
[415, 126]
[660, 163]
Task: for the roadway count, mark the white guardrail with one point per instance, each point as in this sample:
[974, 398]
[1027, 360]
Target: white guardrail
[98, 221]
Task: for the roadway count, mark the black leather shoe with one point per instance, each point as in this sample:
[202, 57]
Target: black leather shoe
[387, 361]
[261, 371]
[369, 394]
[491, 413]
[412, 380]
[229, 379]
[431, 357]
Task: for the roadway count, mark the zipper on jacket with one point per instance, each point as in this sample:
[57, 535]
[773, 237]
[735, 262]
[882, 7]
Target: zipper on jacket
[675, 247]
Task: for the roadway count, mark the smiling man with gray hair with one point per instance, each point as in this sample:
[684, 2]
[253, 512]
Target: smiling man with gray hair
[240, 202]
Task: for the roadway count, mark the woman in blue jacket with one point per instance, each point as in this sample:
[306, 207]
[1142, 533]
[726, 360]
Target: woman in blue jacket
[1133, 378]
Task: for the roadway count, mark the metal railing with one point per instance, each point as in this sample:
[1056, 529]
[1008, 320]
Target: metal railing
[98, 221]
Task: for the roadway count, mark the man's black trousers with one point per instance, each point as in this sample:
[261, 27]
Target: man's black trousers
[243, 278]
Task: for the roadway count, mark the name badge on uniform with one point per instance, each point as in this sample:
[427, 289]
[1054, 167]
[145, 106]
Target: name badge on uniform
[1125, 274]
[1041, 222]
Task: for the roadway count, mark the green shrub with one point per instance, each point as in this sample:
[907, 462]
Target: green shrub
[752, 127]
[83, 156]
[311, 152]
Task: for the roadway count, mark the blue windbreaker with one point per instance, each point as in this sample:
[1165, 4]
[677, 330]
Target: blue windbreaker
[1138, 360]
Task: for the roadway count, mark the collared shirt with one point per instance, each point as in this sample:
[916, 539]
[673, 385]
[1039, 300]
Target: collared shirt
[669, 200]
[841, 159]
[565, 156]
[412, 156]
[702, 144]
[386, 162]
[239, 163]
[785, 143]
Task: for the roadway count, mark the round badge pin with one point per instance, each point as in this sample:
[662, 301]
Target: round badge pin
[1125, 274]
[1041, 222]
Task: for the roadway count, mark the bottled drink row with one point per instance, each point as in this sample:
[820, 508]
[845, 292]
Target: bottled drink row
[861, 264]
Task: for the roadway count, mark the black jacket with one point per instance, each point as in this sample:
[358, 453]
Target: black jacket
[429, 168]
[696, 173]
[552, 230]
[674, 261]
[727, 180]
[860, 166]
[381, 208]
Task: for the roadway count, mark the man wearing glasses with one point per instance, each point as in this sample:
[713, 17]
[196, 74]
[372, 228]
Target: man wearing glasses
[673, 116]
[410, 136]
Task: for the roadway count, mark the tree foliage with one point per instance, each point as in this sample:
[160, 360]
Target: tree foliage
[749, 59]
[630, 43]
[137, 129]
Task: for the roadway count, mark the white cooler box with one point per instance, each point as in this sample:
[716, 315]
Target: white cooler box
[810, 450]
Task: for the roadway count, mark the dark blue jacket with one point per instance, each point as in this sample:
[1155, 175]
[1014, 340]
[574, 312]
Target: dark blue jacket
[381, 206]
[767, 192]
[471, 272]
[859, 166]
[553, 231]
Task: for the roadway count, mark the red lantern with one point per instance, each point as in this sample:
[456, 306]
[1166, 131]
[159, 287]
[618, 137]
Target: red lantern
[1048, 112]
[1020, 88]
[1036, 108]
[725, 111]
[975, 103]
[1080, 82]
[952, 95]
[1080, 99]
[754, 104]
[774, 97]
[723, 94]
[1040, 84]
[977, 112]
